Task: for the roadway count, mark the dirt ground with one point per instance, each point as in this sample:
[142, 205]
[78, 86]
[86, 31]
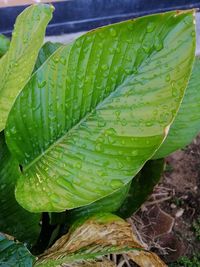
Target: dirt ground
[166, 221]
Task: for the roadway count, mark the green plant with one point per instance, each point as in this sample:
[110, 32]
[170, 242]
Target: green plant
[194, 261]
[80, 124]
[196, 227]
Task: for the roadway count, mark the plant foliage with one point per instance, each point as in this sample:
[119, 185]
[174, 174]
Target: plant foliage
[82, 122]
[90, 117]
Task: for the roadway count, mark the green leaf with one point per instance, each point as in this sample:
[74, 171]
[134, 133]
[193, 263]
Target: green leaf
[45, 52]
[110, 203]
[4, 44]
[14, 220]
[14, 254]
[96, 111]
[187, 122]
[100, 235]
[141, 187]
[18, 63]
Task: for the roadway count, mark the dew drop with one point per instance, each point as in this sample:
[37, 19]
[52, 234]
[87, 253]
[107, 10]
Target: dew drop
[158, 44]
[188, 20]
[193, 33]
[99, 147]
[116, 184]
[123, 142]
[175, 92]
[118, 50]
[113, 32]
[104, 67]
[128, 71]
[78, 165]
[101, 123]
[124, 122]
[13, 130]
[134, 153]
[167, 78]
[117, 113]
[149, 123]
[55, 198]
[63, 60]
[164, 118]
[146, 47]
[150, 27]
[25, 40]
[131, 25]
[55, 59]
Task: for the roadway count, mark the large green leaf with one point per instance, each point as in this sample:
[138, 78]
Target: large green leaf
[14, 220]
[141, 187]
[4, 44]
[14, 254]
[127, 199]
[97, 110]
[187, 122]
[18, 63]
[45, 52]
[109, 203]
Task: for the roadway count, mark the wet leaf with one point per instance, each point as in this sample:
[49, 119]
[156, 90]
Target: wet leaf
[14, 220]
[187, 122]
[98, 109]
[17, 64]
[45, 52]
[110, 203]
[13, 253]
[4, 44]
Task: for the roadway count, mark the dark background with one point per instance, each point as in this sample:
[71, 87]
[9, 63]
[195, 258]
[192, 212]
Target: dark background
[82, 15]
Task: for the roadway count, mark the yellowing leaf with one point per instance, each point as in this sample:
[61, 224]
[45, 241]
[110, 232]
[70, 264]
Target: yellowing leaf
[99, 235]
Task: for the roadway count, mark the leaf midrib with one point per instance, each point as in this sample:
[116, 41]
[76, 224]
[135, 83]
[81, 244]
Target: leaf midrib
[131, 76]
[79, 123]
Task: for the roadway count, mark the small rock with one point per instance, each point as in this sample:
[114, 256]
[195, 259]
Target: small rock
[179, 213]
[173, 206]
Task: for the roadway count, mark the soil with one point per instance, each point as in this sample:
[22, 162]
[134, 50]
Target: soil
[165, 221]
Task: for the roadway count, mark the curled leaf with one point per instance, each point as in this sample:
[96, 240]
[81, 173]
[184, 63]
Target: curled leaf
[99, 235]
[97, 263]
[146, 259]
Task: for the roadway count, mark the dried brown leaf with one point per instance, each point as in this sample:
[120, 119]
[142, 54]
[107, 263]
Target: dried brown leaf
[95, 237]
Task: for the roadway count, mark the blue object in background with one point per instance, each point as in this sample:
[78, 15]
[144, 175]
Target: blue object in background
[82, 15]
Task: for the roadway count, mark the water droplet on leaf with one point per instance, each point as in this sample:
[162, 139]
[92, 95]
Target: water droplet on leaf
[113, 32]
[116, 184]
[150, 26]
